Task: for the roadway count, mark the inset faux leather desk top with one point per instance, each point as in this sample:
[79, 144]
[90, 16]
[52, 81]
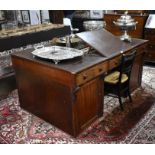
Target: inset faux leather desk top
[106, 43]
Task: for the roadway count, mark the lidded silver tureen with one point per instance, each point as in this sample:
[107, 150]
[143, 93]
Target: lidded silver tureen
[125, 22]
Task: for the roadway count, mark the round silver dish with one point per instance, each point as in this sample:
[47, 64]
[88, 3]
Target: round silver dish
[93, 25]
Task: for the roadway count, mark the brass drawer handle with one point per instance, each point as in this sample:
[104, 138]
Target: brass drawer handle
[150, 46]
[85, 76]
[100, 69]
[116, 63]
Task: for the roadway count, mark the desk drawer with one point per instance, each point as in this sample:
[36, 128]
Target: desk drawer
[152, 42]
[114, 62]
[149, 32]
[151, 47]
[140, 49]
[150, 56]
[91, 73]
[149, 36]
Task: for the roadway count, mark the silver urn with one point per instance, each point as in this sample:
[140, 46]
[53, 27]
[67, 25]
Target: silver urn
[126, 23]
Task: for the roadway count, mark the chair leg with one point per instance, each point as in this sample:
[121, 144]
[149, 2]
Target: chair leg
[129, 94]
[120, 101]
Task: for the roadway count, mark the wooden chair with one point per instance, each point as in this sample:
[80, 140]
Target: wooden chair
[117, 82]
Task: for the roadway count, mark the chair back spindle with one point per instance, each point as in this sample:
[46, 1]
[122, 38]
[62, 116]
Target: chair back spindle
[126, 65]
[118, 82]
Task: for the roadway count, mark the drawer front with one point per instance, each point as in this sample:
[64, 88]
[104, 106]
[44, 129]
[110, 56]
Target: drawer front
[114, 62]
[140, 49]
[150, 35]
[91, 73]
[151, 47]
[151, 39]
[150, 56]
[149, 32]
[152, 42]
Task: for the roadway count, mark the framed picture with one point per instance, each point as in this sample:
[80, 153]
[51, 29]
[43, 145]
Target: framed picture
[25, 16]
[35, 18]
[96, 14]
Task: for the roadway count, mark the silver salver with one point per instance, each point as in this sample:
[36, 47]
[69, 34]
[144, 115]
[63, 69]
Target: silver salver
[57, 53]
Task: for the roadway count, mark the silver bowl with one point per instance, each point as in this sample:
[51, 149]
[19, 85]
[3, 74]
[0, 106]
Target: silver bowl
[93, 25]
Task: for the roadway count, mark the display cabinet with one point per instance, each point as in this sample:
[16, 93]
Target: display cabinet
[149, 34]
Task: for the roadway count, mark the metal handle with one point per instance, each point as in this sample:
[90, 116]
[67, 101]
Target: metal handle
[100, 69]
[85, 76]
[74, 93]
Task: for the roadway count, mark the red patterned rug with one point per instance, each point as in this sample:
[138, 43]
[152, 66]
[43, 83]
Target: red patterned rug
[116, 126]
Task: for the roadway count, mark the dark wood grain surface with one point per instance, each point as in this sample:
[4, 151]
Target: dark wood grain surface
[107, 44]
[149, 34]
[102, 41]
[73, 65]
[70, 94]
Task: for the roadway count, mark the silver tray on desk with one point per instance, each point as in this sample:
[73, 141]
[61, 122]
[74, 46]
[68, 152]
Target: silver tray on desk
[57, 53]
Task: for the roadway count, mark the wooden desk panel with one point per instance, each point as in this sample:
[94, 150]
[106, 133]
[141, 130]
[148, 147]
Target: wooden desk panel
[88, 103]
[52, 93]
[60, 95]
[150, 35]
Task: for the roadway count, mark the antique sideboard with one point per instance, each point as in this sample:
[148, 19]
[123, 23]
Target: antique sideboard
[149, 34]
[70, 94]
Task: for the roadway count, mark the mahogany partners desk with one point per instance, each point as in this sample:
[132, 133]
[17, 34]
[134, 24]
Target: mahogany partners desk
[70, 94]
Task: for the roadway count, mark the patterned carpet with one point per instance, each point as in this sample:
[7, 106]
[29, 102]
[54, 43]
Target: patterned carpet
[136, 124]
